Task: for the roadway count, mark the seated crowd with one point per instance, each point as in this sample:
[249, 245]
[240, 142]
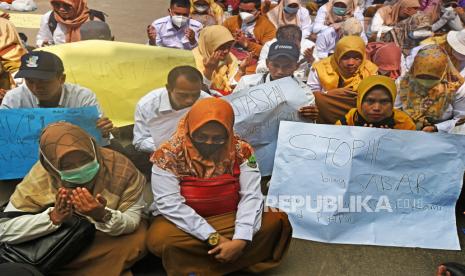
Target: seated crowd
[394, 65]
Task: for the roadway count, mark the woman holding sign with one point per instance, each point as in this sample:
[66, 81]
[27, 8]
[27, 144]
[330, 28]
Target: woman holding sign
[208, 201]
[375, 106]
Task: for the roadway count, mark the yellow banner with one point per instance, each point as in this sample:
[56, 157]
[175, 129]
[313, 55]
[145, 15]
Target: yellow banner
[119, 73]
[21, 20]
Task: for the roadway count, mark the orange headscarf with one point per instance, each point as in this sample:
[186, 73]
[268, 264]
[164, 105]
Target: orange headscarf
[179, 155]
[81, 16]
[390, 14]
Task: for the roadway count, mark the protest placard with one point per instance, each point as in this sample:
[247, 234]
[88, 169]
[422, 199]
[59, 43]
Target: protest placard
[259, 110]
[358, 185]
[20, 131]
[26, 20]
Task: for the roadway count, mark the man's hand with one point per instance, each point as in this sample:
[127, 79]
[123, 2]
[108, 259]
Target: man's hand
[308, 55]
[151, 34]
[88, 205]
[190, 34]
[429, 129]
[62, 210]
[241, 39]
[371, 125]
[310, 112]
[442, 271]
[228, 251]
[105, 125]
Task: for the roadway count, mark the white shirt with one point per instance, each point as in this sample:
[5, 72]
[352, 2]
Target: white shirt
[305, 22]
[300, 72]
[326, 42]
[72, 96]
[451, 115]
[171, 37]
[320, 19]
[29, 227]
[148, 119]
[44, 34]
[313, 81]
[169, 202]
[249, 81]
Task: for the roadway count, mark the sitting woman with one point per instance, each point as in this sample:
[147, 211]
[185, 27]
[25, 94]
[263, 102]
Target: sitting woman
[63, 23]
[375, 106]
[333, 13]
[220, 68]
[206, 12]
[431, 93]
[335, 79]
[388, 16]
[289, 12]
[74, 175]
[207, 200]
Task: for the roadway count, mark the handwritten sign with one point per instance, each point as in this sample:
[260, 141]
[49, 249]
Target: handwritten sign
[20, 131]
[258, 112]
[119, 73]
[357, 185]
[31, 21]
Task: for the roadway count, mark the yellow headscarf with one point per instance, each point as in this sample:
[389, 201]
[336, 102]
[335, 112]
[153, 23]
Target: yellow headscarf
[210, 39]
[215, 10]
[330, 74]
[401, 119]
[427, 105]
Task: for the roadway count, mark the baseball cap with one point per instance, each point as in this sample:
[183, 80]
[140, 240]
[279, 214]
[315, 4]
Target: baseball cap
[286, 49]
[40, 65]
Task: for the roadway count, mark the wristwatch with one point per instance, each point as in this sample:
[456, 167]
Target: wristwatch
[213, 239]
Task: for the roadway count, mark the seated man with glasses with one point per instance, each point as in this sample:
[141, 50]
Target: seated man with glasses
[251, 31]
[208, 205]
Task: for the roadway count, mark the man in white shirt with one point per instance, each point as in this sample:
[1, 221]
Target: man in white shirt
[176, 30]
[282, 62]
[158, 113]
[291, 33]
[45, 87]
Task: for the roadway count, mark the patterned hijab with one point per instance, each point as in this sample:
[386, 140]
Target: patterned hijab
[179, 155]
[427, 105]
[117, 180]
[81, 16]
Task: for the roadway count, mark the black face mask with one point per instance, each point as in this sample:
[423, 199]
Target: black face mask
[206, 150]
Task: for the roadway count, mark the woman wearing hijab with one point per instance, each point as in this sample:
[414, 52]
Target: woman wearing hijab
[387, 56]
[290, 12]
[69, 15]
[208, 202]
[333, 13]
[431, 93]
[74, 175]
[335, 79]
[410, 32]
[375, 106]
[388, 16]
[206, 12]
[213, 58]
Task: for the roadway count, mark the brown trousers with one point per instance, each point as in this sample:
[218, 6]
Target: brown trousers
[109, 255]
[182, 254]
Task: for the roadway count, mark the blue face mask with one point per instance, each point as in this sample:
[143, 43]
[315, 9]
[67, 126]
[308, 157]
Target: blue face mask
[291, 10]
[339, 11]
[81, 175]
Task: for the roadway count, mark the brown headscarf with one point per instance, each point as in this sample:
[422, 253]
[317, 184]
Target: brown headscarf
[279, 17]
[390, 14]
[331, 18]
[81, 16]
[179, 155]
[117, 180]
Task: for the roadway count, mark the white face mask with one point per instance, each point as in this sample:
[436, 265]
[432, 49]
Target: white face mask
[201, 8]
[422, 33]
[246, 17]
[179, 20]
